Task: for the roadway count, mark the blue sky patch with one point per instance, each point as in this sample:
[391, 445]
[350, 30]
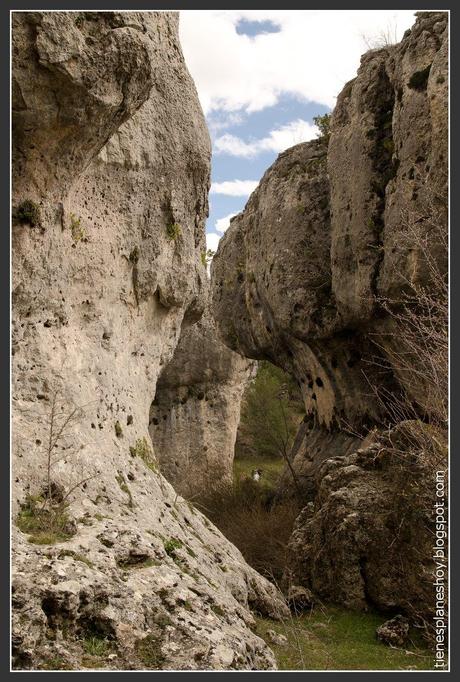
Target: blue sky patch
[250, 127]
[254, 28]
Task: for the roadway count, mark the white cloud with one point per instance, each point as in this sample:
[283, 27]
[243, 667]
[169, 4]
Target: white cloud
[312, 57]
[212, 240]
[216, 123]
[234, 188]
[222, 224]
[278, 140]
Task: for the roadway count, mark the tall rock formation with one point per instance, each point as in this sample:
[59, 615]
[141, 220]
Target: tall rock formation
[110, 178]
[195, 414]
[306, 276]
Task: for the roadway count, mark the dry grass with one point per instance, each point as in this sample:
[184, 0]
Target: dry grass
[245, 513]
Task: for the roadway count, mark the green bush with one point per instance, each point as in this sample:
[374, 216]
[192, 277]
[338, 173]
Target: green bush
[323, 123]
[171, 545]
[173, 231]
[271, 412]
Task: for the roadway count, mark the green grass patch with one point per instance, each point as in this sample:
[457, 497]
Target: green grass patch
[96, 646]
[171, 545]
[143, 450]
[271, 469]
[45, 524]
[75, 555]
[333, 638]
[149, 652]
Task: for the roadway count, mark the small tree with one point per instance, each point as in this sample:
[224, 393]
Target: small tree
[270, 415]
[323, 123]
[43, 514]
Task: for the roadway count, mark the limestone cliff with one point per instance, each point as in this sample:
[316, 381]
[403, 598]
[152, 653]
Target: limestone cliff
[304, 277]
[110, 178]
[298, 276]
[195, 414]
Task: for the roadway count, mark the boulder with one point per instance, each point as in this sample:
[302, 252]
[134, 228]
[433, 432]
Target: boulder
[368, 540]
[394, 632]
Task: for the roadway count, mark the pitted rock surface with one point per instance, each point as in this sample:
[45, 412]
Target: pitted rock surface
[112, 152]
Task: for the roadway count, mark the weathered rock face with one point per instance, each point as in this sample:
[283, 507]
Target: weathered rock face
[390, 128]
[368, 538]
[195, 414]
[298, 275]
[111, 171]
[299, 279]
[272, 293]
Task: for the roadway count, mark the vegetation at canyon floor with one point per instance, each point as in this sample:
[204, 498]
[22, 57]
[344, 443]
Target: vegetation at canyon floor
[253, 517]
[334, 638]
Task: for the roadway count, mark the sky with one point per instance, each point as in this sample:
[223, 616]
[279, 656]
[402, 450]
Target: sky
[261, 76]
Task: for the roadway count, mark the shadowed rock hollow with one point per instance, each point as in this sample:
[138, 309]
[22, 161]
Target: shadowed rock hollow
[303, 277]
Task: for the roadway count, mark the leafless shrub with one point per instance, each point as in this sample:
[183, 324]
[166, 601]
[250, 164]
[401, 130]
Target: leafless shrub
[414, 340]
[246, 514]
[43, 514]
[386, 37]
[413, 343]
